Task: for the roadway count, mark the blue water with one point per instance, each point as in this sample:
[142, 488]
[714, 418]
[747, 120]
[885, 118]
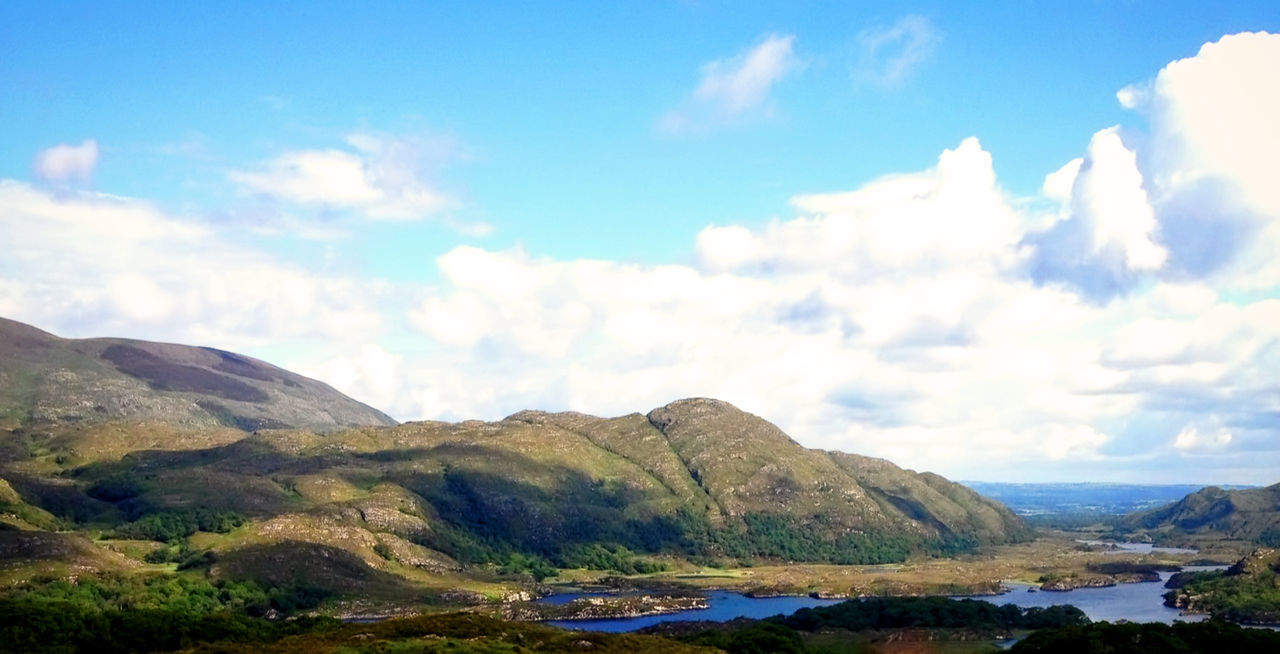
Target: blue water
[725, 606]
[1143, 602]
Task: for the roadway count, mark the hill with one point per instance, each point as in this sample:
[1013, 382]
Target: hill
[45, 379]
[1250, 515]
[291, 485]
[1247, 592]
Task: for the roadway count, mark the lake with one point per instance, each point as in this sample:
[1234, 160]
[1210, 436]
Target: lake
[1136, 548]
[1134, 602]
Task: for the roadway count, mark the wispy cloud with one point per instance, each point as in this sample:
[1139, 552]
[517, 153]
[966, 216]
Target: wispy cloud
[734, 88]
[65, 162]
[890, 54]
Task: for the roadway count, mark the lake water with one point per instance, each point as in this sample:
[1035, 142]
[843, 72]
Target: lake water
[1141, 602]
[1136, 548]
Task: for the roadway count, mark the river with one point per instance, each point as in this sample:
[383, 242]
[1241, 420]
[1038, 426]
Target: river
[1141, 602]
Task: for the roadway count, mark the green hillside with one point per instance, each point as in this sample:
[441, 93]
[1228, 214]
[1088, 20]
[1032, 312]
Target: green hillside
[423, 511]
[1251, 515]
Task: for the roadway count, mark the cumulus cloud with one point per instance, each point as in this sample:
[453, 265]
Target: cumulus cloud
[891, 53]
[64, 162]
[90, 264]
[734, 88]
[1195, 199]
[378, 177]
[1110, 235]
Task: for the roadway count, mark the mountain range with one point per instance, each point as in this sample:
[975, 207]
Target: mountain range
[221, 462]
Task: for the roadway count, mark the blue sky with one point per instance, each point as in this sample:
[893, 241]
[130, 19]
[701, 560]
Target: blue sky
[835, 215]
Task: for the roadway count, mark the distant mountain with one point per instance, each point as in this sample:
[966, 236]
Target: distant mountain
[45, 379]
[1251, 514]
[1083, 498]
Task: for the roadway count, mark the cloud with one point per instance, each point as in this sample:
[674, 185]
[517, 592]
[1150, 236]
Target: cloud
[377, 177]
[735, 88]
[66, 162]
[1212, 159]
[90, 264]
[898, 319]
[1193, 199]
[890, 54]
[1190, 439]
[1109, 237]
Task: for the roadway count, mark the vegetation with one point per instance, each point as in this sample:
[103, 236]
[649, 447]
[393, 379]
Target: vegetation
[852, 626]
[67, 627]
[941, 612]
[1241, 598]
[422, 508]
[29, 625]
[166, 526]
[1134, 638]
[1249, 515]
[181, 594]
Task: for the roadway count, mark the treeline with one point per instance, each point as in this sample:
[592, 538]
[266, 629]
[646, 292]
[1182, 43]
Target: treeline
[930, 612]
[797, 633]
[69, 628]
[487, 519]
[1150, 638]
[31, 625]
[1248, 598]
[174, 525]
[181, 594]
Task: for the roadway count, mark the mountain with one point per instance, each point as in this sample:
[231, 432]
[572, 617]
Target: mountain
[45, 379]
[1251, 514]
[238, 470]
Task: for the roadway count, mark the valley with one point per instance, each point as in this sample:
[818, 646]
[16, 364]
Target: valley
[137, 476]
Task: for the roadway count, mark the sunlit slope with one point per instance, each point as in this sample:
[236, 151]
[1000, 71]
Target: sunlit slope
[45, 379]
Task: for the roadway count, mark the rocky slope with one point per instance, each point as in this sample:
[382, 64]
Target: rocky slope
[45, 379]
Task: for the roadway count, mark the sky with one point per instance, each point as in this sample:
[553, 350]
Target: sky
[1004, 241]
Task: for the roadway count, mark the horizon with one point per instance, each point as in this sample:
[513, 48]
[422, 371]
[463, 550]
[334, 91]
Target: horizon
[979, 241]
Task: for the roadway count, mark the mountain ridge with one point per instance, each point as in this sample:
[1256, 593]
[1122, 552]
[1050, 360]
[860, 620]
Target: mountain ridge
[1250, 514]
[430, 502]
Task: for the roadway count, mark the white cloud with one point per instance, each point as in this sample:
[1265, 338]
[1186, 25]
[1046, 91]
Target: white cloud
[1190, 439]
[369, 372]
[89, 264]
[1109, 236]
[64, 162]
[1058, 184]
[735, 88]
[1194, 199]
[379, 177]
[1214, 157]
[890, 54]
